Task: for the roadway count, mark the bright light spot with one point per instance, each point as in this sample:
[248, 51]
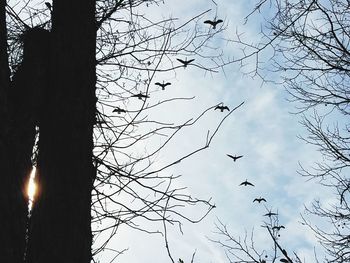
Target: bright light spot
[31, 189]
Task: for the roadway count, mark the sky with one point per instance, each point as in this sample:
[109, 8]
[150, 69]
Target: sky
[263, 130]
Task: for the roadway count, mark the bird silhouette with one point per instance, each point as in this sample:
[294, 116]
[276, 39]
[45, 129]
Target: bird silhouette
[259, 200]
[119, 110]
[185, 62]
[222, 108]
[245, 183]
[269, 214]
[140, 96]
[162, 85]
[234, 158]
[278, 228]
[213, 23]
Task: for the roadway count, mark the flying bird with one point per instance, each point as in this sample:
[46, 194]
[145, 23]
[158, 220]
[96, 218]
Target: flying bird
[278, 228]
[245, 183]
[119, 110]
[234, 158]
[162, 85]
[140, 96]
[269, 214]
[259, 200]
[222, 108]
[185, 62]
[213, 23]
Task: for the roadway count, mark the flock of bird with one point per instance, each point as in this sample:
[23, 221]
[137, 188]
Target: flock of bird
[185, 62]
[163, 85]
[260, 199]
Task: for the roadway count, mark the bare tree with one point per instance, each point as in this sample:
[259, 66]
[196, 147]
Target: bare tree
[90, 168]
[245, 249]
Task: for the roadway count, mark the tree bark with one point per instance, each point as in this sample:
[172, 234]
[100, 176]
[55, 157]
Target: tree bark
[61, 221]
[6, 238]
[14, 162]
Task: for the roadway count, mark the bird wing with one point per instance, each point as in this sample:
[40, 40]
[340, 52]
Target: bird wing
[240, 156]
[246, 183]
[270, 214]
[231, 156]
[115, 110]
[166, 84]
[225, 107]
[182, 61]
[217, 107]
[158, 83]
[256, 199]
[263, 199]
[208, 22]
[219, 21]
[189, 61]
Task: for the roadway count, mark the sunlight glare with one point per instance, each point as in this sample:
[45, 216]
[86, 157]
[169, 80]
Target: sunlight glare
[31, 188]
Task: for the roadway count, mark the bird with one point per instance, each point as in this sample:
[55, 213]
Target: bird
[140, 96]
[269, 214]
[119, 110]
[162, 85]
[222, 108]
[185, 62]
[245, 183]
[259, 200]
[213, 23]
[234, 158]
[278, 228]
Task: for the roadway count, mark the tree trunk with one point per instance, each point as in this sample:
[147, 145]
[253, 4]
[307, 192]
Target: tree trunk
[6, 237]
[14, 162]
[61, 221]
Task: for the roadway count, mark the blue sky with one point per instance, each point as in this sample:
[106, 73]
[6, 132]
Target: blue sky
[263, 130]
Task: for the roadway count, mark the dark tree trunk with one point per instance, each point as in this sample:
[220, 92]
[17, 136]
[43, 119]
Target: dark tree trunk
[61, 223]
[6, 238]
[14, 163]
